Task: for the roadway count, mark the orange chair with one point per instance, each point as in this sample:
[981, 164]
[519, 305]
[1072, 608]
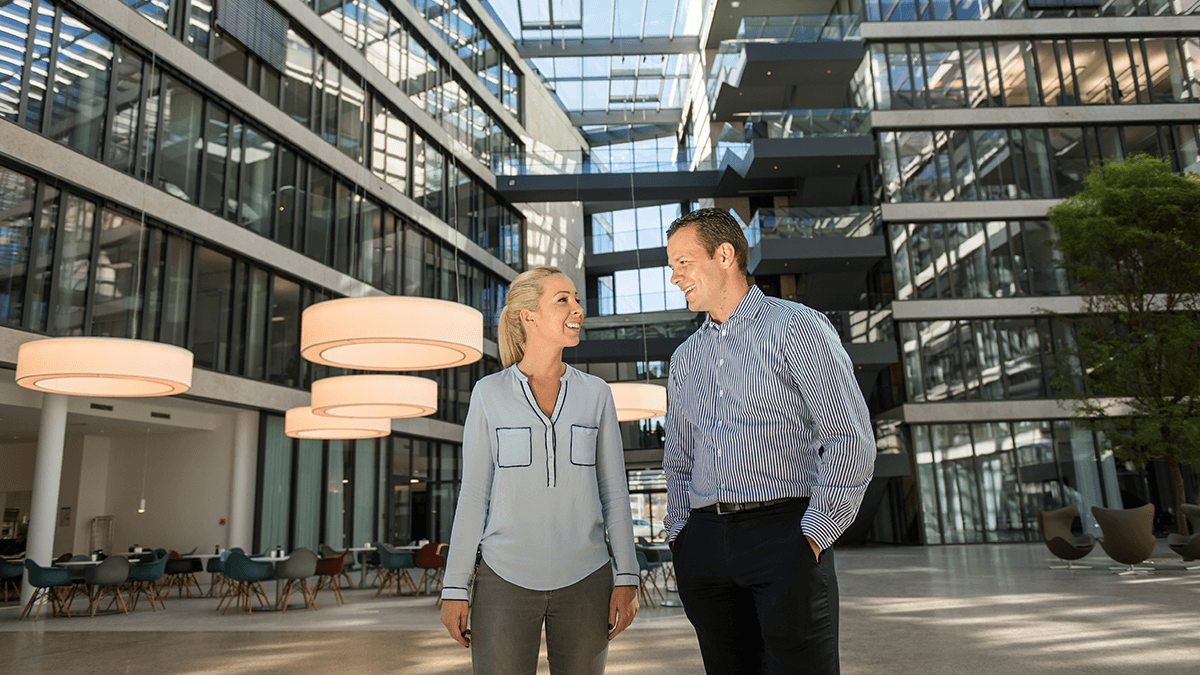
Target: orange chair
[328, 571]
[432, 565]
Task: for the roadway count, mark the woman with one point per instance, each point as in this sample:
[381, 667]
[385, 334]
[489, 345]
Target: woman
[543, 475]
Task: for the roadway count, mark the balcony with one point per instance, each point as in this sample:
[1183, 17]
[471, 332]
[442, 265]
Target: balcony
[776, 59]
[829, 251]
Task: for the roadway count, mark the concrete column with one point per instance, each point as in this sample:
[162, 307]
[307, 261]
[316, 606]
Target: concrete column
[47, 473]
[243, 481]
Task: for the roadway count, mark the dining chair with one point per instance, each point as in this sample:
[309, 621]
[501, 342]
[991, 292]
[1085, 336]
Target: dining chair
[347, 564]
[144, 578]
[645, 577]
[300, 565]
[78, 583]
[1188, 547]
[10, 578]
[396, 565]
[245, 577]
[328, 570]
[48, 582]
[431, 565]
[181, 575]
[108, 577]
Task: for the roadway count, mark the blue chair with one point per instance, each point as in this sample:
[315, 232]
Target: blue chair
[395, 565]
[144, 578]
[10, 577]
[48, 582]
[245, 581]
[216, 568]
[181, 574]
[647, 574]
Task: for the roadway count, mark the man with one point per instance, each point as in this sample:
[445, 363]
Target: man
[768, 452]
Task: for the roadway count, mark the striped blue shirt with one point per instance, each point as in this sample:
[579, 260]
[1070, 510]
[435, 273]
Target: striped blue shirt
[539, 492]
[765, 406]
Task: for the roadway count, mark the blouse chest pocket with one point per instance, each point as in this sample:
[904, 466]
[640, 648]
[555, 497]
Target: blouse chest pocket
[514, 447]
[583, 445]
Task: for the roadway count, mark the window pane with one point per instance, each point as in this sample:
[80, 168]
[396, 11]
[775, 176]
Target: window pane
[214, 304]
[298, 82]
[179, 156]
[116, 295]
[307, 517]
[80, 87]
[275, 485]
[17, 207]
[284, 346]
[73, 268]
[13, 46]
[258, 179]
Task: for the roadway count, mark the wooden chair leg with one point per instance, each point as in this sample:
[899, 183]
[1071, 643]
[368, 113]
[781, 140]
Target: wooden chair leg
[29, 605]
[310, 596]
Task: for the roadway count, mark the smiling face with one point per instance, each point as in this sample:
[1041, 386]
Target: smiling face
[559, 316]
[701, 277]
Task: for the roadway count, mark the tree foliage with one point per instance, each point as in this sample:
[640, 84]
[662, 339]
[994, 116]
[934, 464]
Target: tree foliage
[1130, 243]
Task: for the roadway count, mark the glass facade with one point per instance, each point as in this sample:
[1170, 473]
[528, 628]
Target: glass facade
[942, 165]
[346, 493]
[966, 10]
[990, 259]
[75, 264]
[985, 482]
[1043, 72]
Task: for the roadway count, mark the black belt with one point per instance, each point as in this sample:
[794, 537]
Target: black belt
[726, 508]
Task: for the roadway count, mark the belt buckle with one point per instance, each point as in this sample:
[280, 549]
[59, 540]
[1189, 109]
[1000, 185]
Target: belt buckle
[720, 512]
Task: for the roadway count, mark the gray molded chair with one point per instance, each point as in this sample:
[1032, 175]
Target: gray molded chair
[10, 577]
[78, 583]
[1128, 536]
[396, 566]
[1188, 547]
[299, 566]
[107, 577]
[48, 582]
[1056, 532]
[646, 574]
[144, 577]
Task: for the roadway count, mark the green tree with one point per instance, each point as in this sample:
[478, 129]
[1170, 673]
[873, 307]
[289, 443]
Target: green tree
[1130, 243]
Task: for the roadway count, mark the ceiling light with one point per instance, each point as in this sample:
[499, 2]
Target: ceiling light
[302, 423]
[102, 366]
[639, 400]
[390, 396]
[391, 333]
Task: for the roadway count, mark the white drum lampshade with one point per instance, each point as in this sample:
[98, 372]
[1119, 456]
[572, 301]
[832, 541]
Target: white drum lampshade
[390, 396]
[101, 366]
[639, 400]
[391, 333]
[302, 423]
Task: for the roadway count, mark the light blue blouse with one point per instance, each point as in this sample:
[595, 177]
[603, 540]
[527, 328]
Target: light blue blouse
[538, 492]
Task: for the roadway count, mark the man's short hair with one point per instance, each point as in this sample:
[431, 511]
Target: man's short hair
[716, 227]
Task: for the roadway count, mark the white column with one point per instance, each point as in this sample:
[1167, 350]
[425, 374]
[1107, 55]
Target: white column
[243, 480]
[47, 473]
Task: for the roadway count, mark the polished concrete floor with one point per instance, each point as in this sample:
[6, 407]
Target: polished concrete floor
[979, 610]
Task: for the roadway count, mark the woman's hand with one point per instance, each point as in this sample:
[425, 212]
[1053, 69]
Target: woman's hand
[621, 609]
[454, 617]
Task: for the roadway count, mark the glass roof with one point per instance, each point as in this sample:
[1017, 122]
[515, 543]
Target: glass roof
[577, 19]
[619, 78]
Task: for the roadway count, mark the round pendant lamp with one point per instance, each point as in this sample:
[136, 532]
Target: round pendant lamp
[639, 400]
[100, 366]
[359, 396]
[302, 423]
[391, 333]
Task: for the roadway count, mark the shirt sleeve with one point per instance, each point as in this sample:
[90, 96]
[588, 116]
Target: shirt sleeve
[614, 493]
[473, 499]
[677, 456]
[824, 374]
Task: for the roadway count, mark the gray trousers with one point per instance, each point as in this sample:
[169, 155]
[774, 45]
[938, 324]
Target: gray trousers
[506, 625]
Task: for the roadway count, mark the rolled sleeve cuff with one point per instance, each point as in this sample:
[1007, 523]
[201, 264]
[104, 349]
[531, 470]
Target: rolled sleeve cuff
[675, 530]
[626, 579]
[453, 593]
[820, 528]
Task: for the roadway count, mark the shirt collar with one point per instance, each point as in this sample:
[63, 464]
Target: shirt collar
[745, 310]
[525, 378]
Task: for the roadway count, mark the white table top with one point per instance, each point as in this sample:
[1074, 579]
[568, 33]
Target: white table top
[78, 563]
[201, 556]
[270, 559]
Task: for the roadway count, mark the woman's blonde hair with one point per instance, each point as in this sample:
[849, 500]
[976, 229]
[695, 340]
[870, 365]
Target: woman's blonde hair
[525, 292]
